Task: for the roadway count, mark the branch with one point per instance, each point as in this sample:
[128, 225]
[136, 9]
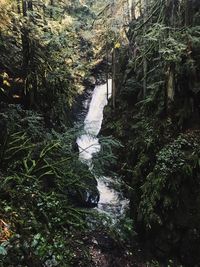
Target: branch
[100, 14]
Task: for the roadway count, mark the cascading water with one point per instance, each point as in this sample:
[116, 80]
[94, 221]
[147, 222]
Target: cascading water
[88, 143]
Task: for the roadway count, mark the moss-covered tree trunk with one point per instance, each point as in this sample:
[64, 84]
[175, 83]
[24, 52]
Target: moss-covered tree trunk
[18, 7]
[28, 51]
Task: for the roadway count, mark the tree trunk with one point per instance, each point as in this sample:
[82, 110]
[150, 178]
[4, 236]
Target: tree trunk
[171, 13]
[18, 7]
[171, 18]
[170, 85]
[128, 11]
[188, 12]
[51, 10]
[25, 41]
[107, 69]
[30, 5]
[145, 66]
[114, 79]
[28, 51]
[145, 76]
[133, 10]
[24, 8]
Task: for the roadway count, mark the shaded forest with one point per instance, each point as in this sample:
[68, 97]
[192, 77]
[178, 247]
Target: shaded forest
[53, 54]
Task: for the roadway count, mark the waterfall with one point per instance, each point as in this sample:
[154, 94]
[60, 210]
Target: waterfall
[88, 144]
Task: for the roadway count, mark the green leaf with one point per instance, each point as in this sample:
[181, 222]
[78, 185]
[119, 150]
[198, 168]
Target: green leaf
[3, 251]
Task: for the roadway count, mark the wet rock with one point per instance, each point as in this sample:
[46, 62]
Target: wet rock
[86, 198]
[91, 199]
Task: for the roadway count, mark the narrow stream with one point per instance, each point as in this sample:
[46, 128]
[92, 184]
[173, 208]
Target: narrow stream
[110, 201]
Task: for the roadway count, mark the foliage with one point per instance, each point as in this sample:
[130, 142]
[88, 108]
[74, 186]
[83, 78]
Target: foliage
[157, 121]
[43, 57]
[40, 184]
[176, 168]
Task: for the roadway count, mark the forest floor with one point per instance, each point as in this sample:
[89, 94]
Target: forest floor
[106, 252]
[114, 257]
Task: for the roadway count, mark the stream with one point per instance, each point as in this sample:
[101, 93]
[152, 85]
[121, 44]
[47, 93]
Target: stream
[110, 202]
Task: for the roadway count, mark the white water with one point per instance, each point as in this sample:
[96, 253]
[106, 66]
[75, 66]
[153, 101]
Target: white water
[88, 144]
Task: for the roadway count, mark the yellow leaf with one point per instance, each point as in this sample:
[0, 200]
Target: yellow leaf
[6, 83]
[117, 45]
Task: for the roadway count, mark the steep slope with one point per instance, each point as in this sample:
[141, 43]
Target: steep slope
[156, 117]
